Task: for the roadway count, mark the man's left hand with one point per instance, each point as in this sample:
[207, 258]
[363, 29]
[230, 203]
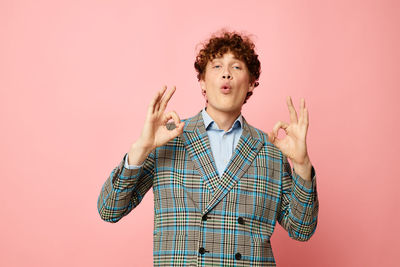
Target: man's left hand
[293, 145]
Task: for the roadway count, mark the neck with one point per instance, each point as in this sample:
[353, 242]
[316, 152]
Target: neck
[224, 120]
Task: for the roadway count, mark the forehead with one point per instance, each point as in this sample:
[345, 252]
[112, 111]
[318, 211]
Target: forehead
[226, 56]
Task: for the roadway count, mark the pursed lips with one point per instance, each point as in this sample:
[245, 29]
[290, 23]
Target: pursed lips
[226, 88]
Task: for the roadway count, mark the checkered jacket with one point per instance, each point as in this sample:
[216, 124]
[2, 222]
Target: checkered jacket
[201, 219]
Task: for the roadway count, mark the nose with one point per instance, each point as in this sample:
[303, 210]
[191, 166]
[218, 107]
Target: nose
[226, 75]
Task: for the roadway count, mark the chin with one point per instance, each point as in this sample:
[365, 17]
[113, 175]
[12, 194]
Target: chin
[228, 108]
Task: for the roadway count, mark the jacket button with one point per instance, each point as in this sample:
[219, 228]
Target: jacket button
[240, 220]
[202, 250]
[204, 218]
[238, 256]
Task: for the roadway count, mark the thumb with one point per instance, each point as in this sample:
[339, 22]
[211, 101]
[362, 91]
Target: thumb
[274, 140]
[271, 137]
[178, 130]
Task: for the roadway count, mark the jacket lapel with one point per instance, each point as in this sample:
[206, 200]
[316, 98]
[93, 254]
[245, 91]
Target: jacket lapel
[245, 152]
[198, 145]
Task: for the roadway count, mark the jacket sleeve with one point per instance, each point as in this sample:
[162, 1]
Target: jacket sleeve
[298, 211]
[124, 189]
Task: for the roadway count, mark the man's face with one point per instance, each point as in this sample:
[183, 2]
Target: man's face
[226, 82]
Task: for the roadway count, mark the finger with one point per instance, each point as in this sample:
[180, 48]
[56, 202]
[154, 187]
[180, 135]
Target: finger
[271, 137]
[274, 140]
[279, 125]
[302, 106]
[179, 129]
[175, 132]
[292, 110]
[179, 126]
[152, 105]
[166, 99]
[306, 119]
[161, 93]
[174, 116]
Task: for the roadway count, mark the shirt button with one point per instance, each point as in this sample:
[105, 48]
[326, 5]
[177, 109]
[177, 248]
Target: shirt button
[238, 256]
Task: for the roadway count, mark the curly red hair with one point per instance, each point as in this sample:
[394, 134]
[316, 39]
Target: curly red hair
[240, 45]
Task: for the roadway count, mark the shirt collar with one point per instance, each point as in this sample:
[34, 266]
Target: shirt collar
[209, 123]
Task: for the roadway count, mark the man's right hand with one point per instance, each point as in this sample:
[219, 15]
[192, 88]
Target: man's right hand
[155, 132]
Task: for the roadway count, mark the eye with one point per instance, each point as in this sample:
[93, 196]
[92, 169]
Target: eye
[216, 66]
[237, 67]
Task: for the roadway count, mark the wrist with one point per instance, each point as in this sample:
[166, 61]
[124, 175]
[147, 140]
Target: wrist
[303, 169]
[138, 153]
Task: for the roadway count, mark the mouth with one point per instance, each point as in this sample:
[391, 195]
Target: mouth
[226, 88]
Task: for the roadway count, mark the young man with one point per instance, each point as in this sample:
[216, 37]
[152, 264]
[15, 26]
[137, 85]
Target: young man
[219, 184]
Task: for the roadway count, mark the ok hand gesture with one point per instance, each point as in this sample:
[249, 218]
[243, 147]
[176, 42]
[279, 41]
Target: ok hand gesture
[293, 145]
[155, 132]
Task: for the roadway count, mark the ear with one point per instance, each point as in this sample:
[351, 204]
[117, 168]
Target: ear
[251, 87]
[203, 89]
[202, 85]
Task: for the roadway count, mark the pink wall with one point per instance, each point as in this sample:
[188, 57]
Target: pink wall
[75, 80]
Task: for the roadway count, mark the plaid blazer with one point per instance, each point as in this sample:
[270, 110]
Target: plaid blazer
[201, 219]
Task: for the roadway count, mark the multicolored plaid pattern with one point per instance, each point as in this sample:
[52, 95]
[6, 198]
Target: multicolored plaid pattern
[201, 219]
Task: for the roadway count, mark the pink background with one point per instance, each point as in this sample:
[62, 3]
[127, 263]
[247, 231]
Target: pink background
[75, 80]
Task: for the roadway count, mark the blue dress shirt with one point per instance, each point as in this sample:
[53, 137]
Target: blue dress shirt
[222, 143]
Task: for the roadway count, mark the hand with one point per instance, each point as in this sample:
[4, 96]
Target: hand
[155, 132]
[293, 145]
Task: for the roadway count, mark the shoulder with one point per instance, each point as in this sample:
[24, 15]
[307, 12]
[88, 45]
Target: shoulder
[269, 148]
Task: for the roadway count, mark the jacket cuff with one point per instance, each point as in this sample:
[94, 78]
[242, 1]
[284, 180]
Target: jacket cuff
[132, 167]
[125, 178]
[308, 186]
